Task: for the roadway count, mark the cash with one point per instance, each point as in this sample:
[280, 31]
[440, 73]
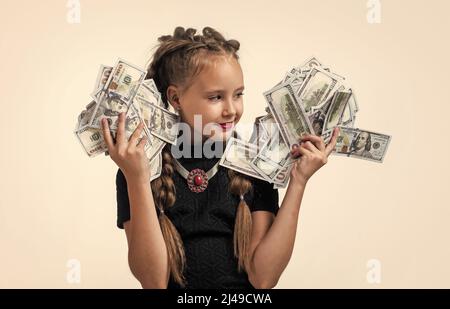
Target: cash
[123, 88]
[310, 99]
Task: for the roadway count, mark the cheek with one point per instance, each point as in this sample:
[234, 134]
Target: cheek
[239, 110]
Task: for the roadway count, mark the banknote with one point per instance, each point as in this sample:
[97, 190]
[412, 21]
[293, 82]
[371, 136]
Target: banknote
[288, 113]
[238, 155]
[124, 80]
[362, 144]
[91, 139]
[318, 86]
[163, 124]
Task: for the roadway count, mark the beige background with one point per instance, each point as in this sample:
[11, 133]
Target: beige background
[57, 204]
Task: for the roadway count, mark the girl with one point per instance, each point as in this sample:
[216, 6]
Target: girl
[232, 234]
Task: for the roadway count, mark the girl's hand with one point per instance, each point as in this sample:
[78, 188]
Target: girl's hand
[128, 155]
[313, 155]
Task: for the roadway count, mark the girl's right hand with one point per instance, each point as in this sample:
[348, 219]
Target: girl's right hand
[128, 155]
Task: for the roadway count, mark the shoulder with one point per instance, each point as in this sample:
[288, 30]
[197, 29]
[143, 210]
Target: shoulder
[264, 196]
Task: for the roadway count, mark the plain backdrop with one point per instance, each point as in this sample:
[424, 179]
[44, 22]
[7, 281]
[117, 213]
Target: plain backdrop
[56, 204]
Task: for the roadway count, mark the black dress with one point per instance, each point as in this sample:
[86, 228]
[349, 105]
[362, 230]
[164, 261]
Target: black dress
[205, 222]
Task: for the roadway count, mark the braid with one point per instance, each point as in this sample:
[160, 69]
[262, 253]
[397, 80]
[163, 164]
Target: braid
[177, 60]
[163, 189]
[241, 185]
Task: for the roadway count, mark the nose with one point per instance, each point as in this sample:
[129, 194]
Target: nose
[229, 109]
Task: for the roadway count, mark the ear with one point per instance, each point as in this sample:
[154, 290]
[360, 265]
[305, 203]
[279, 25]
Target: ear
[173, 97]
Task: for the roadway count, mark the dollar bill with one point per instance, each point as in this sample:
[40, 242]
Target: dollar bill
[102, 76]
[155, 167]
[362, 144]
[163, 124]
[336, 110]
[317, 88]
[124, 80]
[91, 139]
[288, 113]
[238, 156]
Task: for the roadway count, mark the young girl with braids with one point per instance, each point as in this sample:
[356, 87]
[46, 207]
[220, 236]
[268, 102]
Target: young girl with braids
[232, 232]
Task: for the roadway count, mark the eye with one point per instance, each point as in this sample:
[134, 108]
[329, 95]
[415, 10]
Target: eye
[215, 98]
[240, 94]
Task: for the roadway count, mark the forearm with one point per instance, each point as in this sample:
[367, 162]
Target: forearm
[147, 252]
[273, 253]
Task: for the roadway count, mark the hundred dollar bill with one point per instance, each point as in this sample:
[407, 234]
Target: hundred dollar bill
[362, 144]
[110, 105]
[155, 167]
[238, 155]
[153, 145]
[124, 80]
[338, 104]
[163, 124]
[272, 157]
[288, 113]
[281, 180]
[147, 93]
[86, 114]
[317, 88]
[257, 131]
[102, 76]
[91, 140]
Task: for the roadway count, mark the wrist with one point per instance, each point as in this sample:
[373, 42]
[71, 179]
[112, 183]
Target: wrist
[299, 181]
[138, 183]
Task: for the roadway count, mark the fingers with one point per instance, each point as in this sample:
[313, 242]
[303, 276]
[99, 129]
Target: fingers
[304, 151]
[142, 142]
[120, 135]
[310, 146]
[136, 134]
[107, 135]
[330, 147]
[316, 140]
[299, 150]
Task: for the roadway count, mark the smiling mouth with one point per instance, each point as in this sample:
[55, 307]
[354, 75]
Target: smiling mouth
[226, 125]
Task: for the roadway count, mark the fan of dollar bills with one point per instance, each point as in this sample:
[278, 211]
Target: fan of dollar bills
[122, 88]
[311, 99]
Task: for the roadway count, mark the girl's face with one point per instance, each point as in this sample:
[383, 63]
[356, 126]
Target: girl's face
[215, 95]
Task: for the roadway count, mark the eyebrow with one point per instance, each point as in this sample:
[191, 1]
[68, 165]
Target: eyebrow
[222, 90]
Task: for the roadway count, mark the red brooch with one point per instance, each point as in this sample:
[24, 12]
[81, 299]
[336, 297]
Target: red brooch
[197, 180]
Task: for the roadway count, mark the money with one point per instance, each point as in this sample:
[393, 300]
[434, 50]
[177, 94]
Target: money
[238, 155]
[362, 144]
[122, 88]
[310, 99]
[288, 113]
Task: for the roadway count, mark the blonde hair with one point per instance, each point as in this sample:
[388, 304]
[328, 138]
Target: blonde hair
[177, 60]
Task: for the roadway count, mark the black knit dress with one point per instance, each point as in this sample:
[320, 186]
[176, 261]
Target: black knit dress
[205, 222]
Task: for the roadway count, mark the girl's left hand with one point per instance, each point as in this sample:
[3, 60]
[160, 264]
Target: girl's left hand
[313, 155]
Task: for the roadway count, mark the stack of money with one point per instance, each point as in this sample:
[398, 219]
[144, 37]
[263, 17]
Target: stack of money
[123, 88]
[310, 99]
